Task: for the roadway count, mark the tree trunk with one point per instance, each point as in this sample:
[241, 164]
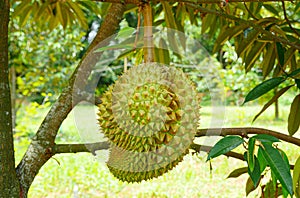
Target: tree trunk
[9, 185]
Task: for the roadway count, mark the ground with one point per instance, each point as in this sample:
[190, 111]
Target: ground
[84, 175]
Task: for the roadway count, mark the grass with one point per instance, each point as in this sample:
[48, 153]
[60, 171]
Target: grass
[84, 175]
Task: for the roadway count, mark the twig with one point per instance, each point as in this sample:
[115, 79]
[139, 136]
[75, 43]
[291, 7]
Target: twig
[77, 148]
[287, 19]
[251, 14]
[245, 131]
[198, 148]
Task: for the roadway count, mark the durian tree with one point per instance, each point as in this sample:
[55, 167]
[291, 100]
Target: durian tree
[264, 34]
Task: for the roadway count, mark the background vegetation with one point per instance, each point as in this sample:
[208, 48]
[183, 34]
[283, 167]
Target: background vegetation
[255, 46]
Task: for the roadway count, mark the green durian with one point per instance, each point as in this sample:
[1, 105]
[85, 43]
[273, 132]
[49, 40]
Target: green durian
[134, 166]
[150, 110]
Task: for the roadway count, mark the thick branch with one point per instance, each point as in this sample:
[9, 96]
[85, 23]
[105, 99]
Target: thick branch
[39, 151]
[245, 131]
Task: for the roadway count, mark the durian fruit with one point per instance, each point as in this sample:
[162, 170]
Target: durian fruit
[150, 117]
[134, 166]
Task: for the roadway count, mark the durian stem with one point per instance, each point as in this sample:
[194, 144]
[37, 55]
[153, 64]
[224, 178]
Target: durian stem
[148, 34]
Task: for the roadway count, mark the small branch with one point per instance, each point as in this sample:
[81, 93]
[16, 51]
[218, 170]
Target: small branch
[77, 148]
[198, 148]
[251, 14]
[287, 19]
[245, 131]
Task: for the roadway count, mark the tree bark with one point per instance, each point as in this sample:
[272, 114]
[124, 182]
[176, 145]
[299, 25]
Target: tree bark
[40, 149]
[9, 185]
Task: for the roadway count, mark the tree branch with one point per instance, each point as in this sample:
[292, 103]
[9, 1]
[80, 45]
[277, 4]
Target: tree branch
[39, 150]
[77, 148]
[245, 131]
[198, 148]
[93, 147]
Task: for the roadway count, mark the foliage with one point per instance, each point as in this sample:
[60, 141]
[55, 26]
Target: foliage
[262, 34]
[43, 59]
[260, 153]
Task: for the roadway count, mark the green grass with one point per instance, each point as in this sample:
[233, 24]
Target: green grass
[85, 175]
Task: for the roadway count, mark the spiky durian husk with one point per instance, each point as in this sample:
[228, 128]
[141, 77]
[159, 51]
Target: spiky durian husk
[150, 111]
[133, 166]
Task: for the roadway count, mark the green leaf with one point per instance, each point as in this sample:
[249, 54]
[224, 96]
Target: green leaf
[250, 154]
[262, 161]
[297, 81]
[294, 118]
[163, 52]
[224, 145]
[253, 55]
[274, 179]
[288, 55]
[24, 16]
[269, 189]
[247, 42]
[263, 88]
[280, 53]
[294, 73]
[296, 178]
[255, 174]
[268, 60]
[125, 32]
[285, 158]
[238, 172]
[266, 138]
[278, 166]
[271, 8]
[273, 99]
[59, 14]
[169, 16]
[222, 38]
[293, 62]
[249, 186]
[79, 13]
